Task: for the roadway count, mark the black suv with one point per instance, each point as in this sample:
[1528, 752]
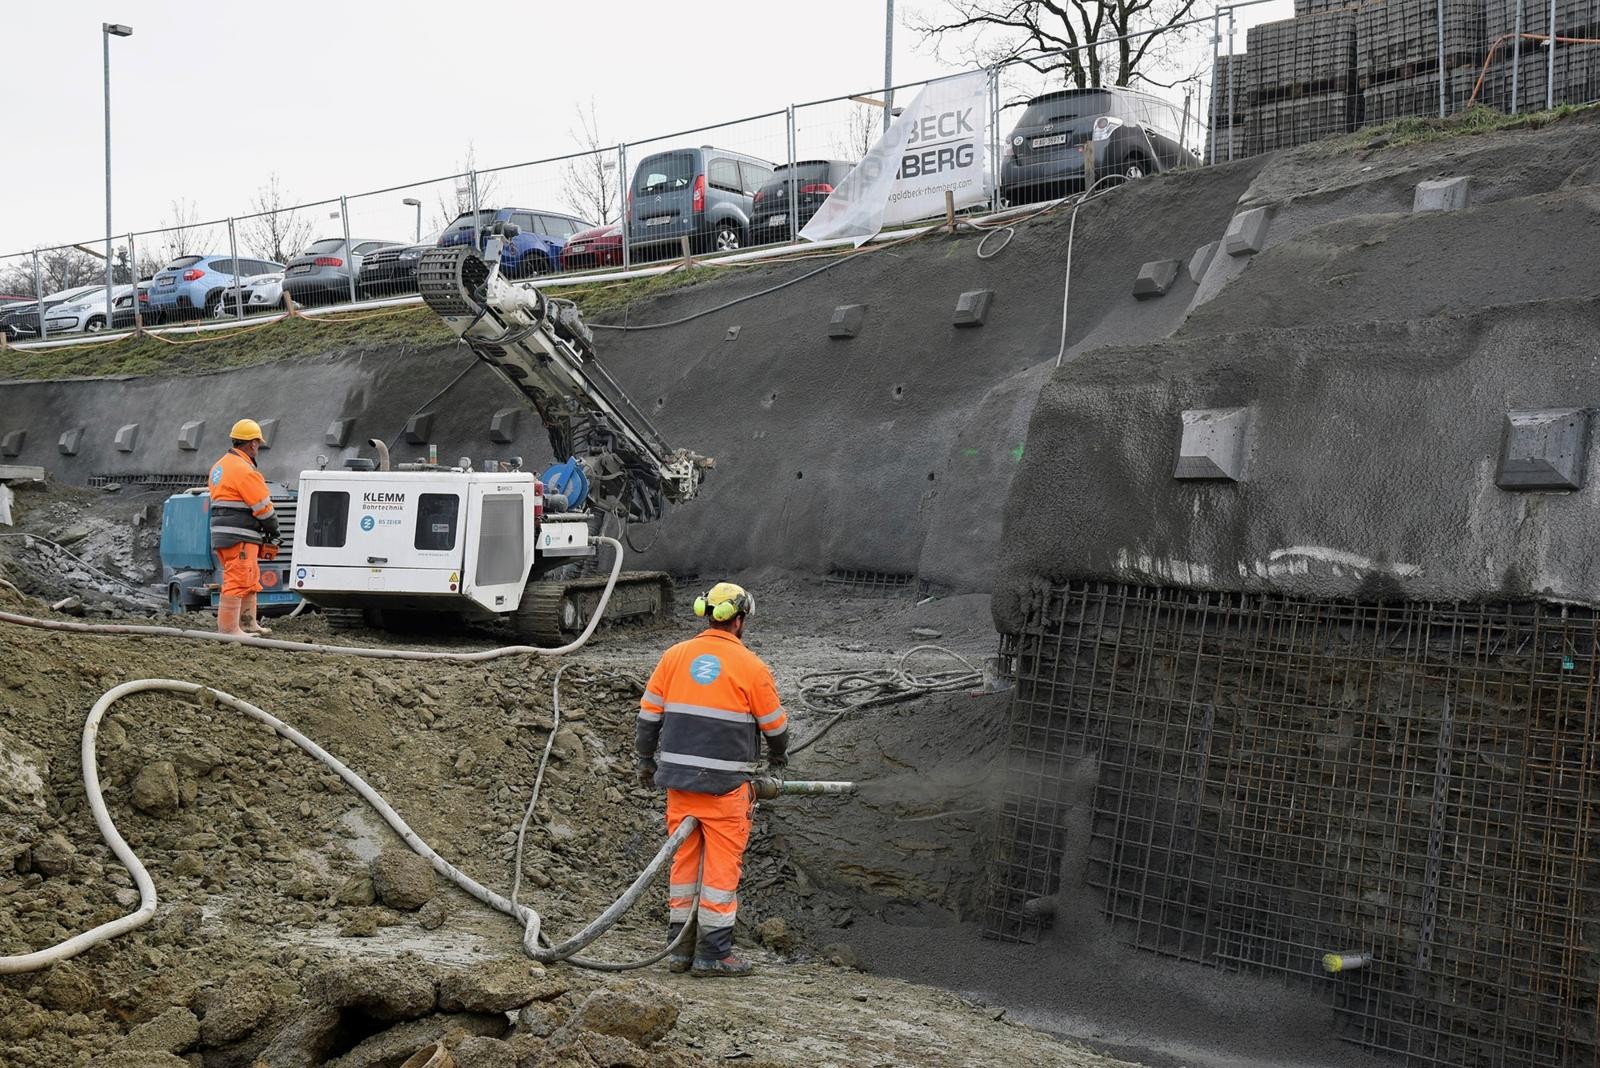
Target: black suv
[814, 180]
[1132, 134]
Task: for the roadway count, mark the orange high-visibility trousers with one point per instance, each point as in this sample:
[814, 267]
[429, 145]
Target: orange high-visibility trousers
[720, 839]
[241, 575]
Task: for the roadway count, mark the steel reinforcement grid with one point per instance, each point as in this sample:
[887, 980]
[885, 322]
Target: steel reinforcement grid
[1277, 779]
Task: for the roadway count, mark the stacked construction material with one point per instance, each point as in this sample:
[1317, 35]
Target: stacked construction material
[1577, 66]
[1302, 79]
[1230, 108]
[1302, 8]
[1399, 52]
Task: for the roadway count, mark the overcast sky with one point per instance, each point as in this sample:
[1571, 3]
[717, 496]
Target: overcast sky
[345, 96]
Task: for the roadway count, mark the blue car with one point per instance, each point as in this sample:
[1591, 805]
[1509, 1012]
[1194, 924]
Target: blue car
[535, 250]
[193, 285]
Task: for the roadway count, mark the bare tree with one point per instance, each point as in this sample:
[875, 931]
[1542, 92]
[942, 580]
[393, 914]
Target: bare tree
[460, 199]
[1106, 42]
[183, 237]
[592, 186]
[277, 232]
[59, 268]
[860, 133]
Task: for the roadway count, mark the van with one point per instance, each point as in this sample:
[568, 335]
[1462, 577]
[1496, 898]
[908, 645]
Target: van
[1130, 133]
[705, 194]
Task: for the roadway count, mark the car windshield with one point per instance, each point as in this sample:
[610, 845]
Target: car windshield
[327, 244]
[1064, 108]
[664, 173]
[184, 261]
[467, 218]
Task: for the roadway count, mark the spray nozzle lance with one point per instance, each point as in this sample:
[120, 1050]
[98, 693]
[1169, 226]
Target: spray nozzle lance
[768, 787]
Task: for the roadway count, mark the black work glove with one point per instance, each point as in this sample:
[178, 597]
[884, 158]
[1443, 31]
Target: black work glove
[647, 774]
[777, 763]
[269, 528]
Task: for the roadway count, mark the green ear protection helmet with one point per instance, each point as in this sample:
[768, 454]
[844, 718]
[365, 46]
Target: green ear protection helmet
[724, 601]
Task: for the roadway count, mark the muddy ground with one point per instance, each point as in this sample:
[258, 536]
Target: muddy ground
[273, 876]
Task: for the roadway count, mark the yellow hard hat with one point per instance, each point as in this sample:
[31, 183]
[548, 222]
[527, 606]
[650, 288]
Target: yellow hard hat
[246, 430]
[725, 601]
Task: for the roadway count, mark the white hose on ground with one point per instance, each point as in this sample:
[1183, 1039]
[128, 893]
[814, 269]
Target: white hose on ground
[146, 630]
[28, 962]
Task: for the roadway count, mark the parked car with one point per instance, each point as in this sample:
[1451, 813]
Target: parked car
[260, 293]
[193, 285]
[1132, 134]
[122, 308]
[598, 246]
[535, 250]
[21, 323]
[392, 271]
[814, 181]
[85, 314]
[322, 272]
[705, 194]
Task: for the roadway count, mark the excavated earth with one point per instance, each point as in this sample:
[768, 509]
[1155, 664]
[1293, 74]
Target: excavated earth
[294, 928]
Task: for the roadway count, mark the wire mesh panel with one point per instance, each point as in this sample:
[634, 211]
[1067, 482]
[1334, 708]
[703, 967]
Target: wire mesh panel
[550, 202]
[1277, 779]
[389, 228]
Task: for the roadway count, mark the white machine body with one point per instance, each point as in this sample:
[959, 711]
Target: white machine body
[443, 538]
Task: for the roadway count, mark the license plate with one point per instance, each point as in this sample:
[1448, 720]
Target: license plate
[778, 220]
[303, 268]
[579, 248]
[1046, 142]
[167, 282]
[658, 220]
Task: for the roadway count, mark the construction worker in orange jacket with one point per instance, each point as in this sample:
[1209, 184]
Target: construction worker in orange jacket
[707, 706]
[242, 521]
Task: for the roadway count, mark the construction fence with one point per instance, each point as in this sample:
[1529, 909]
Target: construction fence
[1330, 69]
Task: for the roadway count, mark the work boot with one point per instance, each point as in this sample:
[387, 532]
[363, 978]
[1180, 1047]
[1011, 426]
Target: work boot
[729, 965]
[247, 616]
[228, 615]
[679, 960]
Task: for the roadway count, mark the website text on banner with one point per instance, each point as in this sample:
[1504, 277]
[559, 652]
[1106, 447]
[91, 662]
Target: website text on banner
[935, 146]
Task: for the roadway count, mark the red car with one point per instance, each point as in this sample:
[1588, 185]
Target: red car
[598, 246]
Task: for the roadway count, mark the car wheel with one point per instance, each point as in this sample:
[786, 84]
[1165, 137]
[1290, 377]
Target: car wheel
[213, 304]
[726, 237]
[1135, 167]
[532, 265]
[95, 324]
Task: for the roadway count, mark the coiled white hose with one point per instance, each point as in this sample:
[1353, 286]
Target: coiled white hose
[147, 630]
[28, 962]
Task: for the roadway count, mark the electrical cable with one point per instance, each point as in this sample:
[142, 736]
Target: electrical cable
[849, 690]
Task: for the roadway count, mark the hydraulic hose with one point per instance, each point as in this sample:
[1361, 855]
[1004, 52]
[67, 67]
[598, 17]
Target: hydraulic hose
[147, 630]
[28, 962]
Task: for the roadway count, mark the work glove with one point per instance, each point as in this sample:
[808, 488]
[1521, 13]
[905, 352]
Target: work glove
[777, 762]
[269, 528]
[647, 774]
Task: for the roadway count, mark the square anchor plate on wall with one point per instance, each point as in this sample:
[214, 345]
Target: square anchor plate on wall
[1213, 444]
[1543, 449]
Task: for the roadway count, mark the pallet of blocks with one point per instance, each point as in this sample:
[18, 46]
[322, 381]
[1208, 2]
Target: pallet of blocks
[1577, 78]
[1301, 74]
[1230, 110]
[1397, 40]
[1287, 123]
[1417, 96]
[1574, 18]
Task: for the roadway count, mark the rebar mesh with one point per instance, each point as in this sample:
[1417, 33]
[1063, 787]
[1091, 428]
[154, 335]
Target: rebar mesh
[861, 580]
[1277, 779]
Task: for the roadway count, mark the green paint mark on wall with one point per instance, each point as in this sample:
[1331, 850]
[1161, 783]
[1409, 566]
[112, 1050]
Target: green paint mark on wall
[1016, 454]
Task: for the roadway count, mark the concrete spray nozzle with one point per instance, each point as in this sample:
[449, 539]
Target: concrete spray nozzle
[769, 787]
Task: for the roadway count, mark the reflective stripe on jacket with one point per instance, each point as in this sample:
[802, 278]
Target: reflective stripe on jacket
[239, 501]
[708, 704]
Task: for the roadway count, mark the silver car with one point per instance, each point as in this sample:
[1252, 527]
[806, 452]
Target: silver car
[322, 272]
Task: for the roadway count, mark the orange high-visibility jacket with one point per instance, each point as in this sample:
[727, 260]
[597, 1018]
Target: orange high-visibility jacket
[706, 706]
[241, 504]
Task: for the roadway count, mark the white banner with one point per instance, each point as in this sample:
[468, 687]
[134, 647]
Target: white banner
[935, 146]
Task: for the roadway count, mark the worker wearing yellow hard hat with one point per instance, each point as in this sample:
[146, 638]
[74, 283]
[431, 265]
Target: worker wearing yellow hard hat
[707, 708]
[242, 522]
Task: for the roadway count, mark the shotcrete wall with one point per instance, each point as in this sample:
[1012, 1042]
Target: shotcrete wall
[1339, 696]
[889, 451]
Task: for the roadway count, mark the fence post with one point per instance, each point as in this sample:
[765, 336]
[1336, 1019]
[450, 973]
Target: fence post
[627, 196]
[349, 252]
[133, 281]
[38, 292]
[1216, 42]
[472, 191]
[1231, 80]
[1550, 61]
[1440, 6]
[233, 250]
[1516, 56]
[994, 137]
[794, 194]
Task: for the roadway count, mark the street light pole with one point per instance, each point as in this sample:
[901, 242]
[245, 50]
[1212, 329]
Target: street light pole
[413, 202]
[108, 30]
